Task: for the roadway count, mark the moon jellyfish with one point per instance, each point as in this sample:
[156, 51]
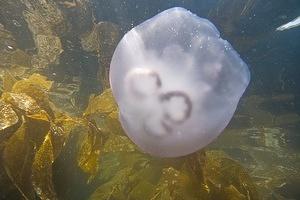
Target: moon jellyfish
[176, 82]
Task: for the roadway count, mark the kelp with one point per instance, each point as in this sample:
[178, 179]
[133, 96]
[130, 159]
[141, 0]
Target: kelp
[54, 141]
[19, 152]
[119, 143]
[236, 183]
[36, 86]
[127, 173]
[103, 104]
[17, 160]
[21, 102]
[115, 188]
[8, 119]
[42, 170]
[171, 185]
[64, 97]
[105, 116]
[8, 81]
[9, 76]
[42, 174]
[89, 153]
[29, 152]
[40, 141]
[61, 128]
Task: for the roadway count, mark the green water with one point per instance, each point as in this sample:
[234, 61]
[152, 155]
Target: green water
[71, 43]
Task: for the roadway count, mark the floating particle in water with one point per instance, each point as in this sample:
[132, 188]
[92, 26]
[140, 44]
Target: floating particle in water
[292, 24]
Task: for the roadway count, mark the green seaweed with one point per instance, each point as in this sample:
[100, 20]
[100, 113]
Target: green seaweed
[113, 167]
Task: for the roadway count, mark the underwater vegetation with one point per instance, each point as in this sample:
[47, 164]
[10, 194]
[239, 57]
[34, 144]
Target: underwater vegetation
[36, 138]
[60, 132]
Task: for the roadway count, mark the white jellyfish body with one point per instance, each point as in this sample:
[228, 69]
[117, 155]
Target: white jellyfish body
[176, 82]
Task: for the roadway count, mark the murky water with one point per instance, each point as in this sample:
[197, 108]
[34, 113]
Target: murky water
[60, 140]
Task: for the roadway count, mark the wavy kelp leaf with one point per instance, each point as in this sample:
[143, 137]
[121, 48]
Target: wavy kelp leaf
[42, 170]
[21, 102]
[104, 111]
[175, 184]
[232, 193]
[50, 149]
[36, 86]
[118, 143]
[68, 123]
[20, 149]
[161, 192]
[111, 163]
[38, 125]
[103, 157]
[144, 181]
[17, 160]
[58, 139]
[113, 124]
[178, 178]
[108, 123]
[70, 180]
[41, 81]
[102, 104]
[64, 97]
[186, 178]
[60, 130]
[16, 57]
[222, 171]
[194, 164]
[143, 190]
[8, 81]
[9, 120]
[7, 188]
[88, 157]
[15, 70]
[115, 188]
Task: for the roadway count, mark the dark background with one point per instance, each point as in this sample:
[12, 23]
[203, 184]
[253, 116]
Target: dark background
[249, 25]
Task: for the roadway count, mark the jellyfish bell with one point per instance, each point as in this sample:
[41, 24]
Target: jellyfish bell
[176, 82]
